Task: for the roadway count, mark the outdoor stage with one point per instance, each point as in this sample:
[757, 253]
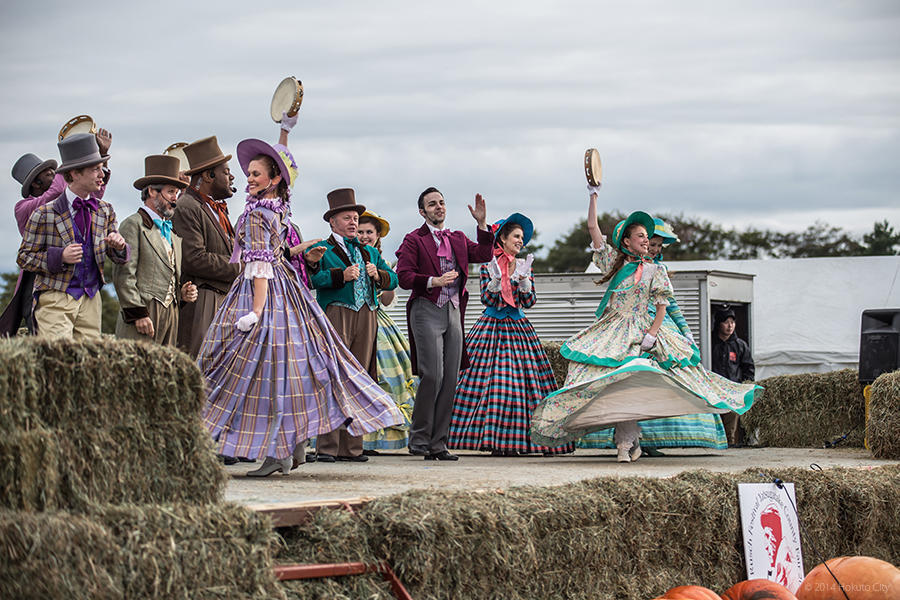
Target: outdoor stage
[399, 472]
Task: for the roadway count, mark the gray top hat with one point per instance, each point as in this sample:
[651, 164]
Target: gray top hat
[79, 150]
[27, 168]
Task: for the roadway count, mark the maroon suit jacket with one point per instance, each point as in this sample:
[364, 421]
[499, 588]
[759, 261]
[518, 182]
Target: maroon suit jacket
[418, 260]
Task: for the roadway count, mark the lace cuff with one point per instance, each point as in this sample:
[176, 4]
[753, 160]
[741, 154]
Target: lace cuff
[493, 285]
[259, 270]
[258, 255]
[525, 285]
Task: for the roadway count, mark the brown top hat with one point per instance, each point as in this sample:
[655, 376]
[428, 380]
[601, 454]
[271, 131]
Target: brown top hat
[204, 154]
[341, 200]
[160, 169]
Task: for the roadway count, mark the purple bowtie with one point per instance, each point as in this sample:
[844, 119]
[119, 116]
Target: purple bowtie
[444, 247]
[83, 211]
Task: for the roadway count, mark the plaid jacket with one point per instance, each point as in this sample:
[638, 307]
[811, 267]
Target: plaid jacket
[50, 229]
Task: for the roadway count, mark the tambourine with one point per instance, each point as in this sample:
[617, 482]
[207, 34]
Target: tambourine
[79, 124]
[592, 169]
[177, 150]
[287, 98]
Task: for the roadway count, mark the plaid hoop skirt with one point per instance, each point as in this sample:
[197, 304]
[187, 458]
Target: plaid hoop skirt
[288, 379]
[508, 375]
[395, 376]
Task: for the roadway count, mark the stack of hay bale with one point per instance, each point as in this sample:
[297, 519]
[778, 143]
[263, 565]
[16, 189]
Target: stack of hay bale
[110, 486]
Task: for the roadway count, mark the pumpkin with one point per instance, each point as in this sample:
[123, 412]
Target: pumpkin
[863, 578]
[691, 592]
[758, 589]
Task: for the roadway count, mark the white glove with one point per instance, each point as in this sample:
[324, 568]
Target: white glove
[523, 269]
[494, 270]
[690, 338]
[593, 189]
[648, 342]
[247, 322]
[287, 123]
[525, 285]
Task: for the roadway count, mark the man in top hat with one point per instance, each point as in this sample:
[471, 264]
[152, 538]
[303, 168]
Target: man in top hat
[66, 243]
[149, 285]
[201, 221]
[347, 280]
[40, 184]
[434, 264]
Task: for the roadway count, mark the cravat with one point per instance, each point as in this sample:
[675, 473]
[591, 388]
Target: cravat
[165, 228]
[443, 236]
[83, 211]
[503, 260]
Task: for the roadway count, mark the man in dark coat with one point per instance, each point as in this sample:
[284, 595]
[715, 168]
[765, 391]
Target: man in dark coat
[731, 359]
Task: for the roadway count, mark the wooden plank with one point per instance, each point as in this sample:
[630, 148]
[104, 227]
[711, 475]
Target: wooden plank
[288, 514]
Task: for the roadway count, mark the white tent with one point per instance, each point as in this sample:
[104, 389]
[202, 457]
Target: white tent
[806, 311]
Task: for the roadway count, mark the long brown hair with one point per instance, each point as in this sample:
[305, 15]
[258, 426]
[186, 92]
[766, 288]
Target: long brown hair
[282, 189]
[621, 256]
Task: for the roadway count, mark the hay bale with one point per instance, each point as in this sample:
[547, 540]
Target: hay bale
[883, 425]
[124, 417]
[805, 410]
[604, 538]
[169, 551]
[560, 365]
[29, 470]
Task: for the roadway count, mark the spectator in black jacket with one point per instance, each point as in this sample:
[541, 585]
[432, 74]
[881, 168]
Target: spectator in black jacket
[731, 358]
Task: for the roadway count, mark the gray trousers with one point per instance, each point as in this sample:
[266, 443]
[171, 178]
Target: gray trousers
[439, 341]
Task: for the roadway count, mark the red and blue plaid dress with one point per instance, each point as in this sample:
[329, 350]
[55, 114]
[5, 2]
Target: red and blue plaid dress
[508, 375]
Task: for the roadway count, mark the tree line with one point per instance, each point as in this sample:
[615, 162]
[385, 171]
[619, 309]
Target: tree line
[703, 240]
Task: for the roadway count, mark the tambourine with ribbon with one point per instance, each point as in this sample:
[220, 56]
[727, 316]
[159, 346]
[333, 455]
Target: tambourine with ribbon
[287, 98]
[79, 124]
[592, 169]
[177, 150]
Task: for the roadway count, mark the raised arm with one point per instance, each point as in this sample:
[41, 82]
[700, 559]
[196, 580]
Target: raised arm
[593, 227]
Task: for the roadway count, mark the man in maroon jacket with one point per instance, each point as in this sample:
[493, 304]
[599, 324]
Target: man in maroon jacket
[434, 264]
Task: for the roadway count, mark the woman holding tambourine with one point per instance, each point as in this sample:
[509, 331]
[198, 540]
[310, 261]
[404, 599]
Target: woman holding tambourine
[276, 370]
[631, 365]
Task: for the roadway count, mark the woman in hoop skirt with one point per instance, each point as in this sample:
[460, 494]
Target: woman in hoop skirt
[509, 372]
[276, 371]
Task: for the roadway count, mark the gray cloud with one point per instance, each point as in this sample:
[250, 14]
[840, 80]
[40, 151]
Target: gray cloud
[764, 113]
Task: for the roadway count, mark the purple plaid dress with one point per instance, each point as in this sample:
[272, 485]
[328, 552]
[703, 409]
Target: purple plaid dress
[290, 377]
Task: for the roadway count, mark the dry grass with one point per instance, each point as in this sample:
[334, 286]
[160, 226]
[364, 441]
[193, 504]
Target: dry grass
[883, 427]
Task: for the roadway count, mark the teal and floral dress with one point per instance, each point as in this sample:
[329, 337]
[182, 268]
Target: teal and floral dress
[611, 380]
[700, 430]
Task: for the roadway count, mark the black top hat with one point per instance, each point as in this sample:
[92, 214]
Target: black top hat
[27, 168]
[79, 150]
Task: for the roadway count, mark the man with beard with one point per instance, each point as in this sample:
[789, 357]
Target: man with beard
[66, 243]
[434, 264]
[148, 284]
[207, 238]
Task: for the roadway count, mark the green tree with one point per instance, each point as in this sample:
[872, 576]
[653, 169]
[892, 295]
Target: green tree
[818, 240]
[883, 241]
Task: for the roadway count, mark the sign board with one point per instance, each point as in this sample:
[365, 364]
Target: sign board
[771, 533]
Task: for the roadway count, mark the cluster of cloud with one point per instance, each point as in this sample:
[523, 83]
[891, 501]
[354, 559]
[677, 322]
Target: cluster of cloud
[766, 114]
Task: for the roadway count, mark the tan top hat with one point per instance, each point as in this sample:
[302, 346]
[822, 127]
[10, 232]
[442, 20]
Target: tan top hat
[204, 154]
[340, 200]
[162, 170]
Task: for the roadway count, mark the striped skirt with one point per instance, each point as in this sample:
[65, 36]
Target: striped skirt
[287, 379]
[508, 375]
[703, 430]
[395, 377]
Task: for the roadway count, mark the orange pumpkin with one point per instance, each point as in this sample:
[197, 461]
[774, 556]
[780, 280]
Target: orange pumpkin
[758, 589]
[863, 578]
[691, 592]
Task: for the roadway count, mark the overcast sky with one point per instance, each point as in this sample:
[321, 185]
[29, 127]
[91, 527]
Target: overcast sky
[773, 114]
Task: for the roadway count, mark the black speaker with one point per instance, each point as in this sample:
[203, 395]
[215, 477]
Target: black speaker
[879, 343]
